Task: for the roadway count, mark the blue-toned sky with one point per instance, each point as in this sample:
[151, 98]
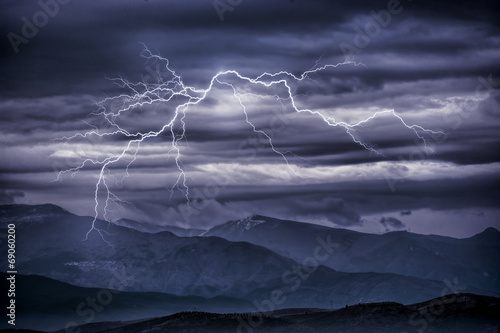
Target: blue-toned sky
[434, 63]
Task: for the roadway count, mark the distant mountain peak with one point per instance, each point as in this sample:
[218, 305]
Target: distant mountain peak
[247, 222]
[490, 230]
[48, 207]
[29, 213]
[489, 234]
[237, 227]
[257, 217]
[254, 218]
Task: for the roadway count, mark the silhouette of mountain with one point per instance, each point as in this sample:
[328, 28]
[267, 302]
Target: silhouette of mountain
[54, 243]
[48, 305]
[474, 260]
[150, 228]
[453, 313]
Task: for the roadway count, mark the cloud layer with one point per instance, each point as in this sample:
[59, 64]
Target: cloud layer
[434, 64]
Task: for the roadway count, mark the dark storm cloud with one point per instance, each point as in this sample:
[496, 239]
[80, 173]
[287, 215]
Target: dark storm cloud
[339, 204]
[375, 196]
[9, 197]
[86, 41]
[435, 63]
[333, 209]
[490, 107]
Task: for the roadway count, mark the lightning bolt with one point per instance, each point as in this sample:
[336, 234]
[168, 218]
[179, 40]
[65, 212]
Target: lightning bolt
[169, 88]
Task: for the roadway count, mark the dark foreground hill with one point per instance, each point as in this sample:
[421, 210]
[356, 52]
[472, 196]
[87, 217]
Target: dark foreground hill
[451, 313]
[48, 305]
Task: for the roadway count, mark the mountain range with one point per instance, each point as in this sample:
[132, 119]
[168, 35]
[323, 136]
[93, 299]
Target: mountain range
[255, 264]
[471, 260]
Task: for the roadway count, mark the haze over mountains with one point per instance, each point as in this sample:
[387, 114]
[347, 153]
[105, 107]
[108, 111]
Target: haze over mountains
[255, 264]
[400, 252]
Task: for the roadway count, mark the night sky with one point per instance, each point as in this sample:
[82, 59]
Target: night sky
[436, 64]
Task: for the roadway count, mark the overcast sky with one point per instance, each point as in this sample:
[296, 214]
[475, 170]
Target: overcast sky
[426, 63]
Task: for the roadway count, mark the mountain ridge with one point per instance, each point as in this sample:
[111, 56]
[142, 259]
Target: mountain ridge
[202, 266]
[52, 242]
[462, 313]
[134, 224]
[425, 256]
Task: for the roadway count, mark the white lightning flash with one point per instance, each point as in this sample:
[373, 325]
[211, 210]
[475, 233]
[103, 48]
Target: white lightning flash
[170, 88]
